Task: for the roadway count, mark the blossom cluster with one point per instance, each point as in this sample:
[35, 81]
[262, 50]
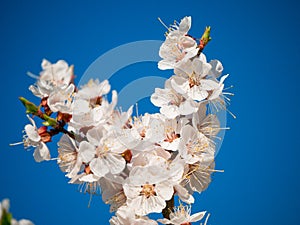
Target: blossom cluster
[137, 163]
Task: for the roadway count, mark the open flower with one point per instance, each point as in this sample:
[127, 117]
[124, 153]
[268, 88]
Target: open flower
[93, 90]
[126, 216]
[62, 100]
[32, 138]
[191, 79]
[194, 145]
[198, 175]
[178, 46]
[92, 112]
[54, 77]
[103, 154]
[182, 215]
[172, 133]
[142, 133]
[209, 125]
[112, 192]
[149, 187]
[68, 159]
[172, 103]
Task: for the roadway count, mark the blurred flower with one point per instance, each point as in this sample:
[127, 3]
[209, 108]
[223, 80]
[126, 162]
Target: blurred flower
[6, 216]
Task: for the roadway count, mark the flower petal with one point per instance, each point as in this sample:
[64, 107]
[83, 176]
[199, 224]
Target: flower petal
[99, 167]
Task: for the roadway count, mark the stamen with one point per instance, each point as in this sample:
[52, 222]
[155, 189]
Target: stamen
[234, 117]
[53, 159]
[212, 170]
[90, 200]
[137, 109]
[228, 93]
[205, 223]
[18, 143]
[163, 23]
[32, 75]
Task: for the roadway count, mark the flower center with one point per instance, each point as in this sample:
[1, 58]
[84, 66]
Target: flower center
[148, 190]
[193, 80]
[197, 146]
[102, 150]
[170, 137]
[68, 157]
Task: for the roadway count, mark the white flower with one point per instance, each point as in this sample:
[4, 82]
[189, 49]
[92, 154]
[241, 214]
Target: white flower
[61, 100]
[194, 145]
[182, 215]
[93, 89]
[171, 103]
[142, 133]
[103, 154]
[172, 133]
[68, 159]
[216, 68]
[208, 125]
[149, 187]
[53, 77]
[217, 91]
[152, 157]
[112, 192]
[126, 216]
[32, 138]
[92, 112]
[198, 175]
[191, 79]
[177, 46]
[21, 222]
[118, 121]
[88, 182]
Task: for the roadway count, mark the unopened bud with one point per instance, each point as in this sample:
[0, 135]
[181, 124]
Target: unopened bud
[30, 107]
[127, 155]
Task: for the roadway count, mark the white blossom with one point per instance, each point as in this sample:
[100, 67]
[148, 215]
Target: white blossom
[190, 79]
[194, 145]
[92, 112]
[142, 133]
[136, 163]
[53, 77]
[32, 138]
[62, 100]
[182, 215]
[172, 103]
[93, 89]
[198, 175]
[126, 216]
[103, 154]
[149, 187]
[68, 159]
[209, 125]
[177, 46]
[172, 133]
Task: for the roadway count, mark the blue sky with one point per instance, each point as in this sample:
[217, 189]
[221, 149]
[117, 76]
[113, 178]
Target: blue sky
[258, 44]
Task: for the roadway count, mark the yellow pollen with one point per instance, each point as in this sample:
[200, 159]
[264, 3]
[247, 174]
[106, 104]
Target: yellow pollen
[148, 190]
